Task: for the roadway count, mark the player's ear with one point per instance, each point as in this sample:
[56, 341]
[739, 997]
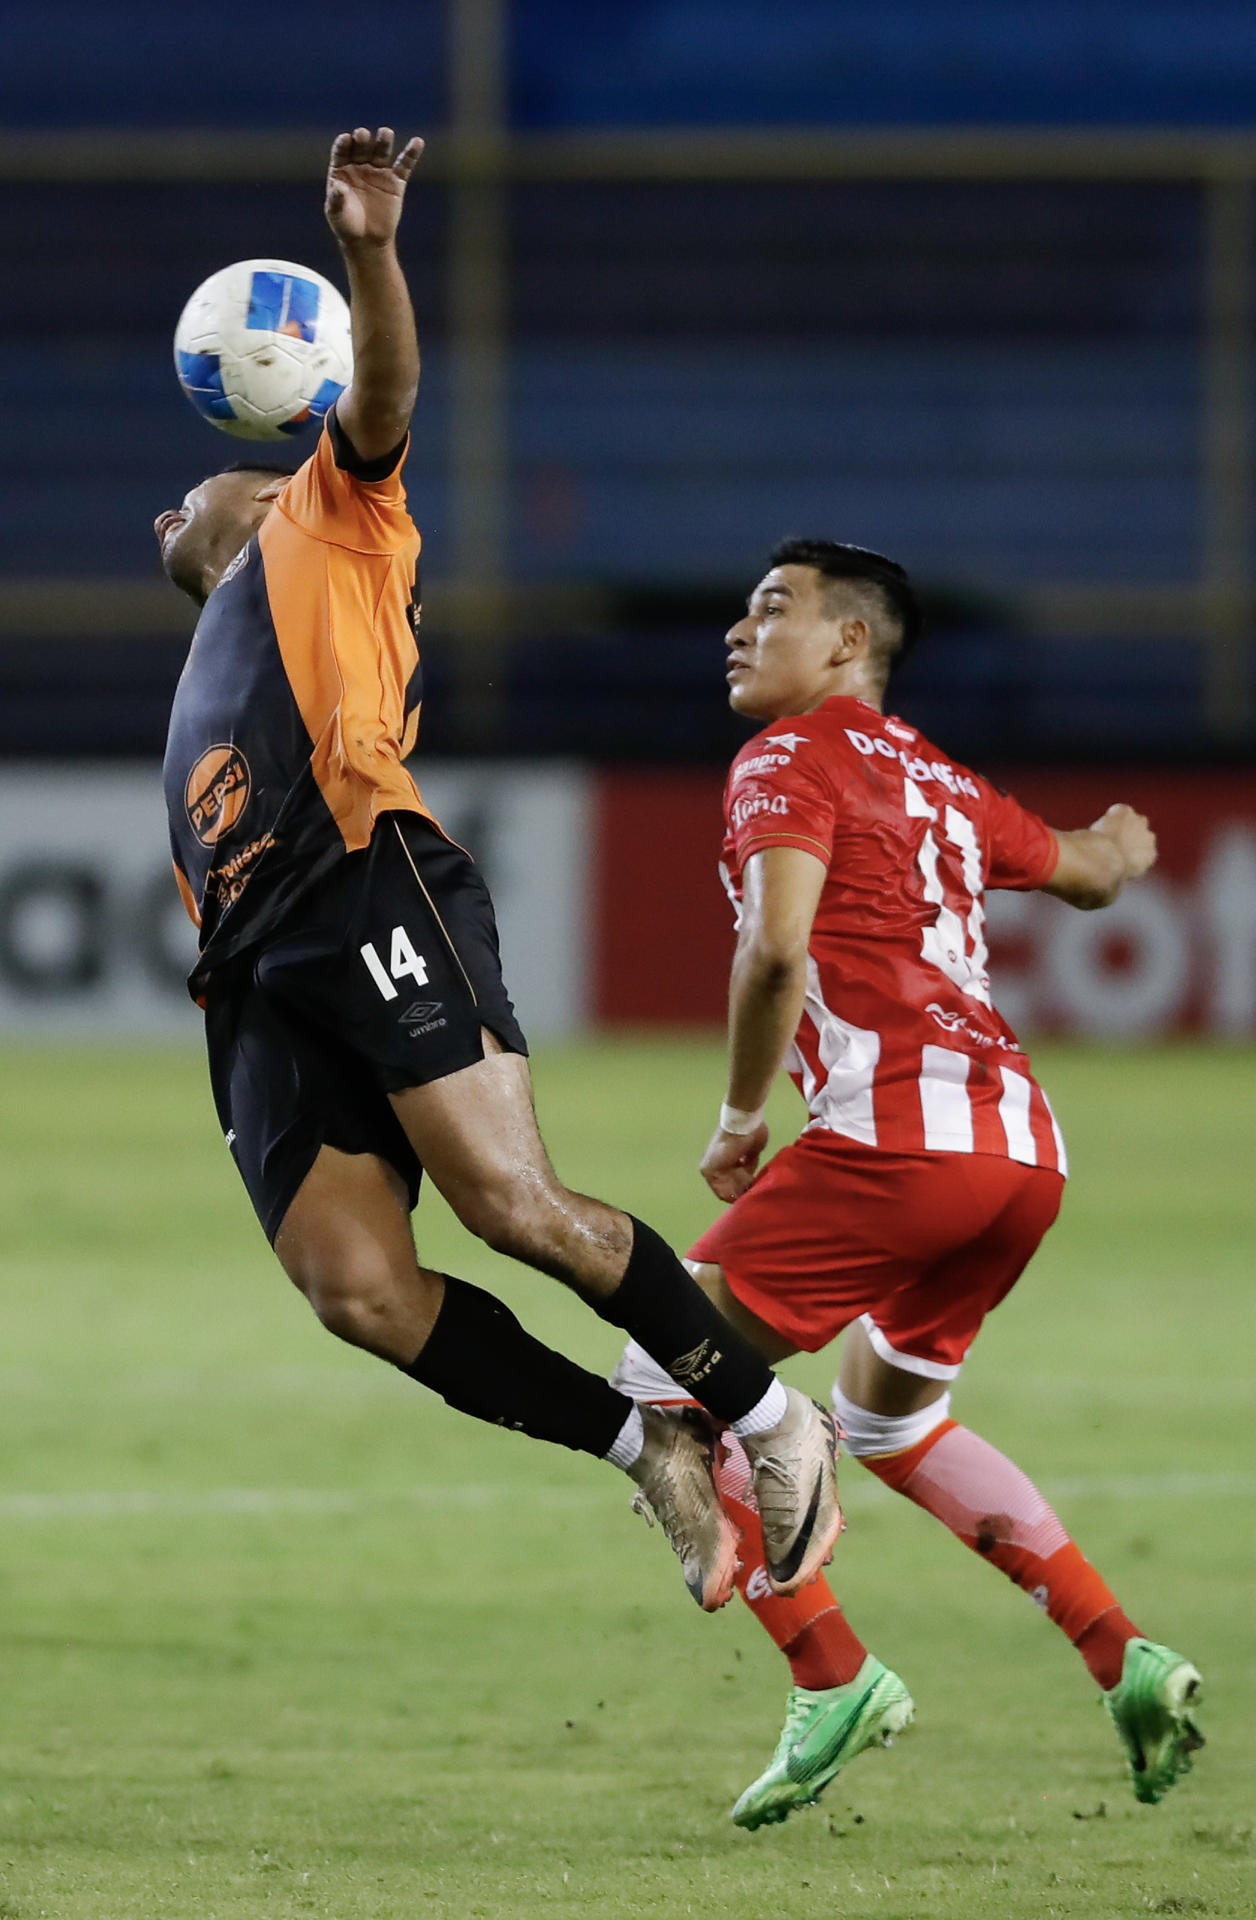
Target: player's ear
[850, 640]
[272, 488]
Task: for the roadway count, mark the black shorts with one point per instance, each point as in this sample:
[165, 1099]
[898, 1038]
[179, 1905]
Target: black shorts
[383, 977]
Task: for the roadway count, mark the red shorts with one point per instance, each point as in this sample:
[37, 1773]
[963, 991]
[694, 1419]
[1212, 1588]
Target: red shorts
[923, 1244]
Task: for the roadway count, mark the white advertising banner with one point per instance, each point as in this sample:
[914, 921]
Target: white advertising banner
[94, 939]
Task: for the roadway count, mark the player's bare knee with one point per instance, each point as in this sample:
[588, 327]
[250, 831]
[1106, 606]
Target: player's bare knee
[353, 1311]
[357, 1295]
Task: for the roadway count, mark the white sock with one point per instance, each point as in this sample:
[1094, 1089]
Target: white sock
[629, 1441]
[768, 1412]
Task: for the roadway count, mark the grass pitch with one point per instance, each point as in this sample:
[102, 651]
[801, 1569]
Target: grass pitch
[281, 1636]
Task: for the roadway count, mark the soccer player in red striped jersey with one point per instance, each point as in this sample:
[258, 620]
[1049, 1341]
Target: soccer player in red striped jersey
[857, 857]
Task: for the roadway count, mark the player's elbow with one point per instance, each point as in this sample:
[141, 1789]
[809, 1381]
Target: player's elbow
[1088, 892]
[772, 965]
[1091, 899]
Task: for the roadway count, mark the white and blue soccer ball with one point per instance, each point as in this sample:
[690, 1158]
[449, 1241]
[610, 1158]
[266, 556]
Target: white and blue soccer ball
[263, 348]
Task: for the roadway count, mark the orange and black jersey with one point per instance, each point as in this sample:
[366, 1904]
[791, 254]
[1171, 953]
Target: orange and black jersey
[299, 702]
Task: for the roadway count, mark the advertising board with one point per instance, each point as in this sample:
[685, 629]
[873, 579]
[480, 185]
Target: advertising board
[94, 940]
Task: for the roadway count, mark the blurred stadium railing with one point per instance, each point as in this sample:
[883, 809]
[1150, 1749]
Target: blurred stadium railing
[1020, 361]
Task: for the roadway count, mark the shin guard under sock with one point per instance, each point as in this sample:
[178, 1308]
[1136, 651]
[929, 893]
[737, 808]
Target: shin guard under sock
[997, 1511]
[481, 1361]
[666, 1312]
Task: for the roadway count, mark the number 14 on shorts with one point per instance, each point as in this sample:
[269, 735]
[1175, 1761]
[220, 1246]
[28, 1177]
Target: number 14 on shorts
[403, 963]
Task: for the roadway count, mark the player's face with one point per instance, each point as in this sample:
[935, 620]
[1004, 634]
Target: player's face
[782, 652]
[214, 522]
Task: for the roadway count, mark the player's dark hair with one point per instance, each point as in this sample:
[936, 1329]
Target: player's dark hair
[837, 560]
[259, 466]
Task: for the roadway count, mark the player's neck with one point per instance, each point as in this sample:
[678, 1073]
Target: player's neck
[842, 684]
[221, 554]
[853, 682]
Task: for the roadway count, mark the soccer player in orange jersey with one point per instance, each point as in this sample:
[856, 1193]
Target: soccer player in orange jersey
[358, 1028]
[857, 856]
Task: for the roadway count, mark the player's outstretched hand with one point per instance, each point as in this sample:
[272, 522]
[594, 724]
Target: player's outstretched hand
[366, 185]
[1133, 837]
[731, 1162]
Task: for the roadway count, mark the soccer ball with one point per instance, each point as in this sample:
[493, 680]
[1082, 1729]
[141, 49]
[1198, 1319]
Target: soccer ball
[263, 348]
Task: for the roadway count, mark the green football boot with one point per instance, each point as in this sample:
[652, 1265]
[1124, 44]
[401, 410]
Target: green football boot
[1151, 1708]
[822, 1732]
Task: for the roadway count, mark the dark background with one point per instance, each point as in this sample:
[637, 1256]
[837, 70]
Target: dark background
[970, 285]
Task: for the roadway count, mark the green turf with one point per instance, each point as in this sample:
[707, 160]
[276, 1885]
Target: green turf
[281, 1636]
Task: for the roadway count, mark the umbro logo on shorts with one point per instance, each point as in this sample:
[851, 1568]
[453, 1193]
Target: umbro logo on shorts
[422, 1016]
[419, 1011]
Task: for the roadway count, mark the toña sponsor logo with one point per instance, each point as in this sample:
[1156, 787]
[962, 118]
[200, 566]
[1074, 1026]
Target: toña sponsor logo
[914, 766]
[899, 731]
[216, 792]
[749, 805]
[790, 741]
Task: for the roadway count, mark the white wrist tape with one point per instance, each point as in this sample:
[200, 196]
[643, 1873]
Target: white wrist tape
[737, 1120]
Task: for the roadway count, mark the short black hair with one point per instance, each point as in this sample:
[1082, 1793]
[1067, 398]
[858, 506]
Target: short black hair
[259, 466]
[839, 560]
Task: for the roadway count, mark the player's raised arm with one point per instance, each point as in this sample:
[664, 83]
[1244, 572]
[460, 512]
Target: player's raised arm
[366, 186]
[1096, 861]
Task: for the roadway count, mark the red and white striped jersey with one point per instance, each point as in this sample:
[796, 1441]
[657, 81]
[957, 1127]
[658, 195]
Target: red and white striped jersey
[899, 1045]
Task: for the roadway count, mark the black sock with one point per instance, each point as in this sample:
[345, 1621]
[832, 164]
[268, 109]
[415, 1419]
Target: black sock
[481, 1361]
[665, 1310]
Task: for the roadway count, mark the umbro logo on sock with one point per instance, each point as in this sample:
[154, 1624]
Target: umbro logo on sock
[688, 1368]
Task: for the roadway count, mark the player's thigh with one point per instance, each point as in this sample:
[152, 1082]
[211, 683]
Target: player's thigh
[345, 1241]
[350, 1211]
[476, 1134]
[822, 1233]
[772, 1345]
[395, 961]
[476, 1127]
[394, 954]
[879, 1386]
[992, 1215]
[284, 1090]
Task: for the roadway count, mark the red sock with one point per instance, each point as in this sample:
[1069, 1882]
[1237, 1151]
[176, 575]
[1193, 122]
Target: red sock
[989, 1504]
[809, 1627]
